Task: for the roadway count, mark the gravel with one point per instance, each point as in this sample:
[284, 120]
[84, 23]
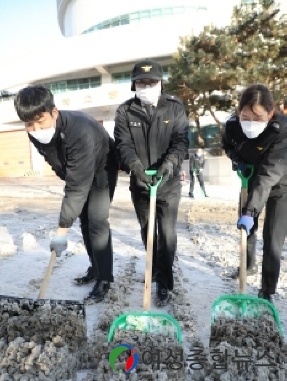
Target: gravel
[47, 342]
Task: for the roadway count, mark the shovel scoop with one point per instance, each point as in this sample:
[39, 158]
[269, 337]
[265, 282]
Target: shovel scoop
[146, 320]
[242, 306]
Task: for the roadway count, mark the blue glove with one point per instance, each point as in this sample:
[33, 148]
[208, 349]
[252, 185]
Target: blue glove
[59, 243]
[245, 222]
[239, 165]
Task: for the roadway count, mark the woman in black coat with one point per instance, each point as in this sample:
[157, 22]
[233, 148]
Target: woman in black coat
[257, 135]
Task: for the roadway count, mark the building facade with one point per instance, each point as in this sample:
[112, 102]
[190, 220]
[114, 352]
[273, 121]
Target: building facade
[92, 63]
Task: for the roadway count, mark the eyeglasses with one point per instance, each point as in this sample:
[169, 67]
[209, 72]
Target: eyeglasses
[141, 83]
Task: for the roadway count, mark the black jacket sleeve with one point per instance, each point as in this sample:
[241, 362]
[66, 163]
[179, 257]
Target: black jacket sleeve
[271, 170]
[230, 128]
[123, 140]
[80, 172]
[179, 139]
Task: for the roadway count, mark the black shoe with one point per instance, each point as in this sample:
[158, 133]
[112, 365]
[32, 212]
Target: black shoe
[99, 291]
[265, 295]
[162, 294]
[249, 272]
[191, 195]
[89, 277]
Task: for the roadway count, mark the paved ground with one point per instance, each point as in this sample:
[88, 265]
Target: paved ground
[208, 248]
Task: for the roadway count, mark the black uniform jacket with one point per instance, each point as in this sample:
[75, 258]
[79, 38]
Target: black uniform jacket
[196, 162]
[268, 154]
[78, 153]
[151, 140]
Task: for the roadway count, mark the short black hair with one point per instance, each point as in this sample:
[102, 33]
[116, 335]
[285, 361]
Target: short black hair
[31, 101]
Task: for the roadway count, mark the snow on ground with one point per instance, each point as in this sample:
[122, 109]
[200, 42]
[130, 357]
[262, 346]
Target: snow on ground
[208, 248]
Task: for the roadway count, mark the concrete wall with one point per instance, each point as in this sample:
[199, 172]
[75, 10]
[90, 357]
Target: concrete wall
[217, 171]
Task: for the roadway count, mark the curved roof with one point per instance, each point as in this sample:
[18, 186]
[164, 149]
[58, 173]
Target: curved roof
[108, 47]
[74, 18]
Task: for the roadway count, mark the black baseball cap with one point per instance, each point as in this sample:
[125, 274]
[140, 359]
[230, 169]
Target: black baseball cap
[146, 69]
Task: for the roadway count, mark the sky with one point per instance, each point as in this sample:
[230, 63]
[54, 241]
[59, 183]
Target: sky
[27, 23]
[24, 24]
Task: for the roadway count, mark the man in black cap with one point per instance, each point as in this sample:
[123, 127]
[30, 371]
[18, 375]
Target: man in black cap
[151, 133]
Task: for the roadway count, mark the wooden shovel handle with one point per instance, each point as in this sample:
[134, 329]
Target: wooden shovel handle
[47, 277]
[243, 247]
[149, 254]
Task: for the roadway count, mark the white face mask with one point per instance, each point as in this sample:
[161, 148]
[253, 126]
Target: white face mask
[43, 136]
[149, 94]
[252, 129]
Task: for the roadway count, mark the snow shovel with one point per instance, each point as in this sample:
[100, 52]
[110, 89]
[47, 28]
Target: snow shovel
[49, 317]
[242, 306]
[147, 321]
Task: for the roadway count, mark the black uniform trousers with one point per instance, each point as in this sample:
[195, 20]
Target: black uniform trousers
[165, 237]
[274, 233]
[95, 226]
[199, 176]
[252, 238]
[251, 246]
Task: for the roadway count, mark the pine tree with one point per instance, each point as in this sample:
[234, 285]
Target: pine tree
[209, 70]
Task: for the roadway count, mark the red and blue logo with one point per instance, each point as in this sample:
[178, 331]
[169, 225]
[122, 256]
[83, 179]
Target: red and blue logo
[131, 361]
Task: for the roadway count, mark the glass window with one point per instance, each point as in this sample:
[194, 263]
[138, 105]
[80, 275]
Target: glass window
[57, 87]
[125, 19]
[156, 12]
[95, 81]
[121, 77]
[115, 22]
[83, 83]
[61, 86]
[72, 84]
[134, 17]
[106, 24]
[145, 14]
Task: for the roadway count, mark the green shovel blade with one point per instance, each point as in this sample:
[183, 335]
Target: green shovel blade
[242, 306]
[147, 321]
